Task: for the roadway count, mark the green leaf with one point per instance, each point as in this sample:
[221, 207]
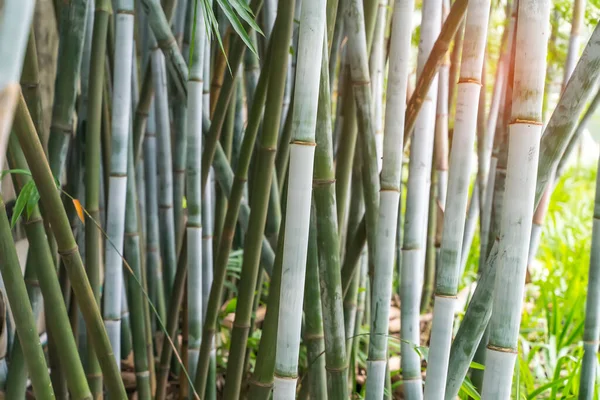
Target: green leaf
[230, 307]
[32, 201]
[476, 365]
[245, 13]
[470, 390]
[237, 25]
[14, 171]
[21, 202]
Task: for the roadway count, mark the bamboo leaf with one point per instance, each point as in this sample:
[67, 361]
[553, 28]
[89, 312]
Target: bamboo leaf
[21, 202]
[14, 171]
[470, 390]
[237, 25]
[476, 365]
[79, 210]
[245, 13]
[32, 201]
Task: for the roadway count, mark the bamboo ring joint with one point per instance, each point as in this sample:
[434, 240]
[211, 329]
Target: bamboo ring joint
[501, 349]
[525, 121]
[68, 252]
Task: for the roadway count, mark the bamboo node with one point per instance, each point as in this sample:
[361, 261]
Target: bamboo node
[30, 85]
[167, 43]
[65, 129]
[142, 113]
[165, 206]
[336, 369]
[261, 384]
[389, 189]
[316, 336]
[470, 80]
[303, 143]
[525, 121]
[117, 175]
[193, 225]
[126, 12]
[594, 342]
[446, 296]
[68, 252]
[240, 179]
[142, 374]
[501, 349]
[269, 149]
[196, 80]
[131, 234]
[207, 236]
[241, 326]
[31, 221]
[323, 182]
[361, 83]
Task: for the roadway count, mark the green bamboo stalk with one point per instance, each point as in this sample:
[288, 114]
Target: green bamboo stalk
[30, 82]
[154, 266]
[135, 293]
[328, 238]
[21, 311]
[93, 175]
[313, 321]
[165, 176]
[59, 223]
[432, 248]
[233, 212]
[302, 149]
[172, 321]
[554, 140]
[159, 23]
[461, 159]
[265, 166]
[56, 312]
[455, 64]
[195, 261]
[361, 85]
[15, 24]
[72, 32]
[346, 150]
[591, 332]
[383, 252]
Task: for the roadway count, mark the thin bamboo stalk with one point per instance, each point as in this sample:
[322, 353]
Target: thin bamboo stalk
[313, 323]
[21, 311]
[591, 332]
[72, 32]
[93, 174]
[327, 233]
[577, 24]
[384, 253]
[415, 223]
[428, 68]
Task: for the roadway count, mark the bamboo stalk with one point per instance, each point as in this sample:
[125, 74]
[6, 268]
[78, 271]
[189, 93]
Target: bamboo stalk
[384, 253]
[313, 323]
[121, 109]
[461, 159]
[72, 32]
[195, 260]
[21, 311]
[327, 233]
[554, 140]
[15, 24]
[260, 194]
[231, 218]
[591, 332]
[302, 149]
[59, 223]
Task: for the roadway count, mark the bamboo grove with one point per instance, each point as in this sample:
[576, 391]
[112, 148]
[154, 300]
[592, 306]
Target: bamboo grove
[236, 199]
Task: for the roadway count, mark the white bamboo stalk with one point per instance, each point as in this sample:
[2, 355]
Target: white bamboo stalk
[417, 210]
[117, 183]
[399, 65]
[194, 191]
[15, 21]
[302, 151]
[376, 67]
[461, 161]
[523, 153]
[574, 39]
